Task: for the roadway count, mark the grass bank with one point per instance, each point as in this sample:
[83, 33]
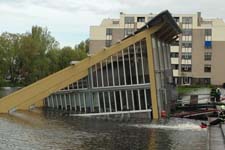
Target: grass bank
[187, 89]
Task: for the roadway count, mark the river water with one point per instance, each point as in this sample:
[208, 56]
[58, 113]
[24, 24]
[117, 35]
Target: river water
[49, 129]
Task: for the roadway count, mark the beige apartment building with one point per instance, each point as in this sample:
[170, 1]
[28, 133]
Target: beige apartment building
[197, 57]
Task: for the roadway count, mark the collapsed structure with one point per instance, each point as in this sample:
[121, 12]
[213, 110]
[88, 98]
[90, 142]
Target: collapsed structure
[132, 75]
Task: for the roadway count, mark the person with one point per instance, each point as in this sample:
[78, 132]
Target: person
[213, 95]
[218, 94]
[220, 119]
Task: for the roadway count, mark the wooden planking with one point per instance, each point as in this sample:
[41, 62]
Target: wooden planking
[151, 68]
[26, 104]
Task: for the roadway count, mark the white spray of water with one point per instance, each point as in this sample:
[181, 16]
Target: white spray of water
[181, 127]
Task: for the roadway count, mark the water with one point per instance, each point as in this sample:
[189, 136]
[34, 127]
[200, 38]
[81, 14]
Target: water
[7, 90]
[48, 129]
[52, 130]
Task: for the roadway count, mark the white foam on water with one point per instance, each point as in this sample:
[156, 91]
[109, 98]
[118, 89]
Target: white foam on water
[181, 127]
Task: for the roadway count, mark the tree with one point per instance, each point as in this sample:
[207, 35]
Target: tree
[28, 57]
[67, 54]
[9, 45]
[34, 47]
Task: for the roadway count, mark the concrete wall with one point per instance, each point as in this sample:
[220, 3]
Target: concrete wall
[218, 63]
[96, 46]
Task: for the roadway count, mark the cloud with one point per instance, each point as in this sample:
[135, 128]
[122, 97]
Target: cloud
[69, 20]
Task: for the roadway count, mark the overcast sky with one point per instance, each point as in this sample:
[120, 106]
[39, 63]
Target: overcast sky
[69, 20]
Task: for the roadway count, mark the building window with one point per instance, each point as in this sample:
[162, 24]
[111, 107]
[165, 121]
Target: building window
[128, 31]
[186, 55]
[116, 22]
[186, 68]
[187, 32]
[140, 19]
[187, 20]
[208, 56]
[207, 68]
[208, 44]
[187, 45]
[174, 55]
[108, 31]
[208, 38]
[108, 43]
[208, 32]
[177, 19]
[175, 66]
[129, 20]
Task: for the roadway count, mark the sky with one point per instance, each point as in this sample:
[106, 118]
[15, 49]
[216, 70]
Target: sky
[69, 21]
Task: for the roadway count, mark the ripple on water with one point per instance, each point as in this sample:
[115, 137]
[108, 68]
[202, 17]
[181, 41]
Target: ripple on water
[28, 130]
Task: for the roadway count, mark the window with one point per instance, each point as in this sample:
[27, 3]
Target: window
[208, 38]
[108, 31]
[207, 68]
[187, 20]
[175, 66]
[187, 45]
[208, 56]
[208, 32]
[140, 19]
[186, 68]
[129, 20]
[175, 43]
[187, 32]
[174, 55]
[108, 43]
[186, 55]
[116, 22]
[177, 19]
[208, 44]
[128, 31]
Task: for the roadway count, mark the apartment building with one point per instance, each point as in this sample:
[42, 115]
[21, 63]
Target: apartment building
[197, 57]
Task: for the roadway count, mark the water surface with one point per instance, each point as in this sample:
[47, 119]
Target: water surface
[52, 130]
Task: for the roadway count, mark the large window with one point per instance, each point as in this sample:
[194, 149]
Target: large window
[129, 20]
[208, 32]
[186, 68]
[177, 19]
[207, 68]
[187, 45]
[208, 38]
[108, 31]
[108, 43]
[187, 32]
[128, 31]
[116, 22]
[174, 54]
[208, 55]
[186, 55]
[187, 20]
[208, 44]
[140, 19]
[175, 66]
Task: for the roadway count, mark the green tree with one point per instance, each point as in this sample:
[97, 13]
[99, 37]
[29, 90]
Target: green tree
[9, 45]
[34, 47]
[28, 57]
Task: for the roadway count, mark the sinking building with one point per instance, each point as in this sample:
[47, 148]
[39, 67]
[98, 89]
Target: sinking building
[132, 75]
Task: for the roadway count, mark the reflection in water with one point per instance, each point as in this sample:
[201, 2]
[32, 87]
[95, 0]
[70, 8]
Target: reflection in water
[4, 91]
[52, 130]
